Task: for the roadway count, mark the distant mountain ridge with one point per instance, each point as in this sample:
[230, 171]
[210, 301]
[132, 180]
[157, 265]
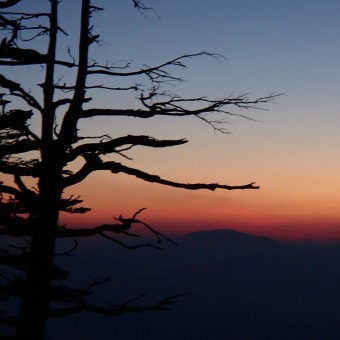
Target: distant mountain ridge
[228, 238]
[244, 287]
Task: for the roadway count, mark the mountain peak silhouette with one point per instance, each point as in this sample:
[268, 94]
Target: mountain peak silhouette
[229, 241]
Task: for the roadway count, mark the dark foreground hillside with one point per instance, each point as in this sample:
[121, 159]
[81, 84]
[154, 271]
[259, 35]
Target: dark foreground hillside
[244, 287]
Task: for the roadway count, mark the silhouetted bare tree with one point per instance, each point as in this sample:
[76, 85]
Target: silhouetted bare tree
[47, 156]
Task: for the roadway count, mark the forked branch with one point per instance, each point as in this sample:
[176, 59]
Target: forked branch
[174, 106]
[156, 73]
[124, 228]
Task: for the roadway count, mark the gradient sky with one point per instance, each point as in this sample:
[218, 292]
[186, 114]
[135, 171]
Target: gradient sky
[292, 152]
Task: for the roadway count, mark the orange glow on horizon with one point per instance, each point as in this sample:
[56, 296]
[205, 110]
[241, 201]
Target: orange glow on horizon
[294, 204]
[177, 212]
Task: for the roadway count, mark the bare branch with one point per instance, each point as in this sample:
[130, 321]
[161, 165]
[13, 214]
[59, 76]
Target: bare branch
[98, 283]
[153, 72]
[130, 221]
[21, 55]
[128, 246]
[8, 3]
[123, 227]
[68, 205]
[8, 189]
[115, 167]
[68, 88]
[95, 164]
[112, 145]
[87, 113]
[19, 169]
[117, 310]
[16, 90]
[69, 251]
[35, 61]
[182, 107]
[27, 15]
[25, 145]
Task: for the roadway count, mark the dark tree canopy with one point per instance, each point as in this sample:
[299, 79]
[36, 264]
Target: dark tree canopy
[46, 157]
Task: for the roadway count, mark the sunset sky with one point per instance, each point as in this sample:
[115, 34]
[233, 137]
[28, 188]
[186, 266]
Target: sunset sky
[292, 151]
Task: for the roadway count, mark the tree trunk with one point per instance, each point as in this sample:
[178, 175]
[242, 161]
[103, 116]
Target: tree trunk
[35, 296]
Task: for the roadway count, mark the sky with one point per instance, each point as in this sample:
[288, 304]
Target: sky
[292, 150]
